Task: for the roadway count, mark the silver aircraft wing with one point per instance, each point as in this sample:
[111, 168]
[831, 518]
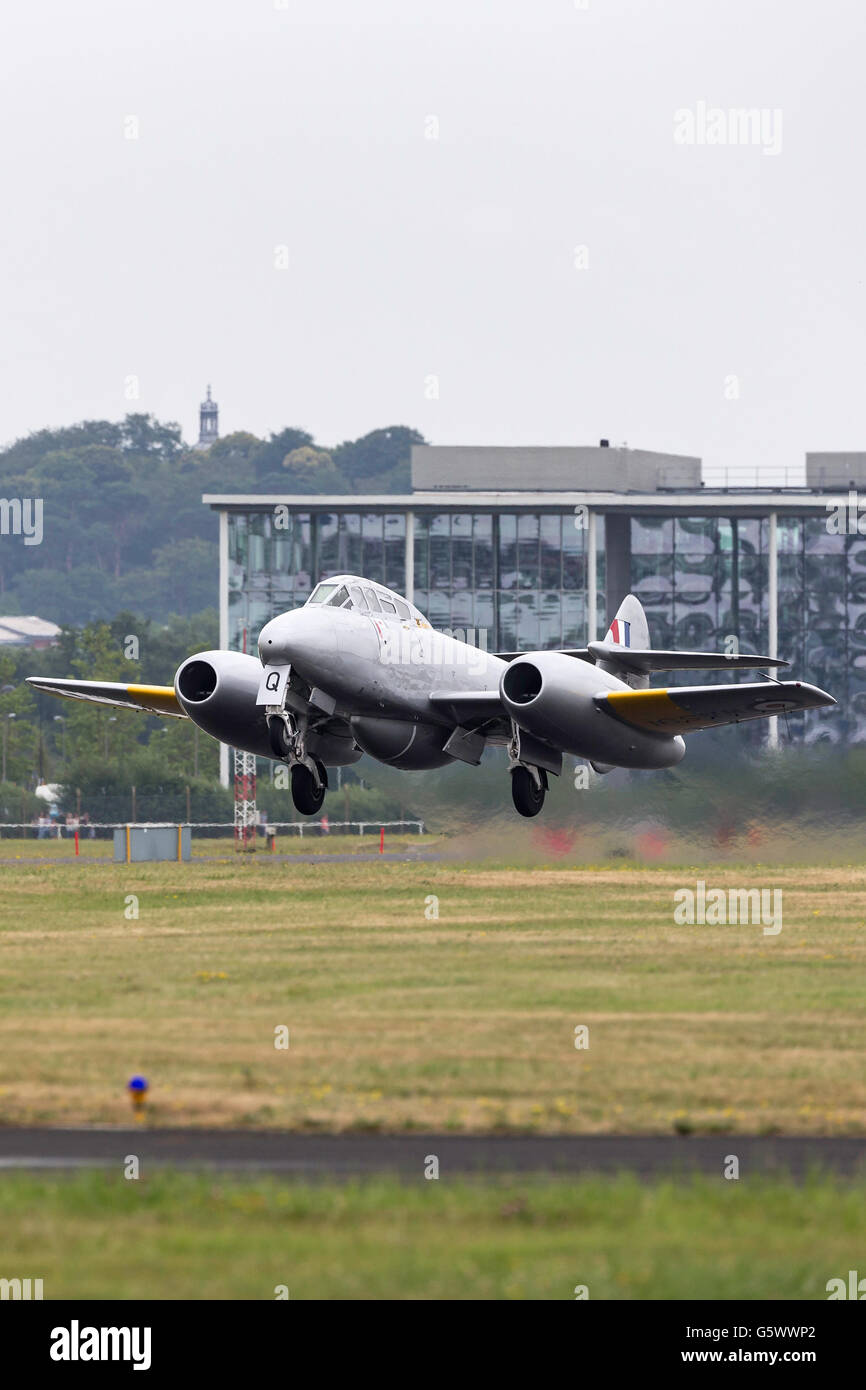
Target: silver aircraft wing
[155, 699]
[683, 709]
[464, 705]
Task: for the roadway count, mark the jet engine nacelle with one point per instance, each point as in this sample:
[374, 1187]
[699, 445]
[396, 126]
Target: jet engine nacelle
[218, 690]
[550, 695]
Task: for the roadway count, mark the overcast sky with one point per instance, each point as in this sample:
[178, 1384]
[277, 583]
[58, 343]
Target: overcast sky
[433, 168]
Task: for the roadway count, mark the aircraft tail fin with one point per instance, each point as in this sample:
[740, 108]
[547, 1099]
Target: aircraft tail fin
[629, 632]
[629, 628]
[626, 652]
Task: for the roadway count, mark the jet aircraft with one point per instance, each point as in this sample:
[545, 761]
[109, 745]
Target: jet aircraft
[358, 669]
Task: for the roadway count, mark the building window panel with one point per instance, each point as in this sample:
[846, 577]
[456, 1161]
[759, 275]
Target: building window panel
[238, 539]
[507, 622]
[550, 537]
[282, 592]
[821, 541]
[395, 551]
[528, 622]
[482, 542]
[826, 588]
[574, 620]
[549, 620]
[483, 618]
[528, 551]
[462, 610]
[695, 535]
[329, 545]
[461, 565]
[371, 562]
[574, 548]
[438, 611]
[350, 553]
[508, 552]
[440, 552]
[651, 536]
[421, 551]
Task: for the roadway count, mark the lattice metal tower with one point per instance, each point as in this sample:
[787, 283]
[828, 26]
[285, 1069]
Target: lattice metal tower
[245, 801]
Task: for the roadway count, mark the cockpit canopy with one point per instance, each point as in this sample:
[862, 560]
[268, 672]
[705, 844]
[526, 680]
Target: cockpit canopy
[351, 591]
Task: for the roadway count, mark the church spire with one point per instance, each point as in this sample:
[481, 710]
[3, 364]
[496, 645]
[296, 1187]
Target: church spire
[208, 416]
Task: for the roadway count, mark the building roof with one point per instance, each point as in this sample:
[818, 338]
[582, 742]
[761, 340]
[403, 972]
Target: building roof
[703, 502]
[25, 631]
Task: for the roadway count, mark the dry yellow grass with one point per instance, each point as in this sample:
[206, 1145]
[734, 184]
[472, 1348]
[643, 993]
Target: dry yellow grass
[397, 1019]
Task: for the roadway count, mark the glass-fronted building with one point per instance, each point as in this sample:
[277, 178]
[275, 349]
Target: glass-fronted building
[521, 569]
[518, 577]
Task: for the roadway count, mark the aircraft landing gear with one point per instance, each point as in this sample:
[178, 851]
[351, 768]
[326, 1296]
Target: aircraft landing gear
[309, 776]
[308, 787]
[528, 785]
[280, 738]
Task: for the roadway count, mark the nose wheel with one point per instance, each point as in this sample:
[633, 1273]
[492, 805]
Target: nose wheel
[528, 786]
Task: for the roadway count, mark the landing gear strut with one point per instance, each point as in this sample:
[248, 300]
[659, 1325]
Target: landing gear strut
[309, 776]
[528, 785]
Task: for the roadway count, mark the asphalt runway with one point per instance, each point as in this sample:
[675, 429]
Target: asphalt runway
[354, 1155]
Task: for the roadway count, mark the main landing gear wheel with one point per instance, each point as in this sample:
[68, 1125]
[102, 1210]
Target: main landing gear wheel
[526, 793]
[306, 795]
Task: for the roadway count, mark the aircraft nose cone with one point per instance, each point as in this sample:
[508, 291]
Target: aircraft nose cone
[293, 638]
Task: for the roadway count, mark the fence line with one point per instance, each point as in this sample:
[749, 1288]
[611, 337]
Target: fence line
[327, 824]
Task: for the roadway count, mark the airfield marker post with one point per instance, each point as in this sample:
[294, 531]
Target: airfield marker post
[381, 839]
[138, 1088]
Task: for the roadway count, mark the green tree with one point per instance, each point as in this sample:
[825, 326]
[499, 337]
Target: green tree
[103, 734]
[18, 733]
[268, 461]
[379, 461]
[312, 470]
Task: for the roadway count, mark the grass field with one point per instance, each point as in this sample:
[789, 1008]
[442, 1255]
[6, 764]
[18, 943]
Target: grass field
[182, 1236]
[398, 1019]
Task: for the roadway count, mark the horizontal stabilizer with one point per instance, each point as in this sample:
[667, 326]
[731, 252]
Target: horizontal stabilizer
[683, 709]
[583, 653]
[155, 699]
[648, 659]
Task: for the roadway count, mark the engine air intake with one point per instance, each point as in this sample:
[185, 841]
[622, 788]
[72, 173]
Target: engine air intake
[522, 682]
[197, 681]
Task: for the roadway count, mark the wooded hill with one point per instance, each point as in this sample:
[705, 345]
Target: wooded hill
[123, 522]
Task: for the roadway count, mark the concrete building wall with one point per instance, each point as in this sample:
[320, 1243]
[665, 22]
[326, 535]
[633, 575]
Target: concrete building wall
[557, 469]
[835, 470]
